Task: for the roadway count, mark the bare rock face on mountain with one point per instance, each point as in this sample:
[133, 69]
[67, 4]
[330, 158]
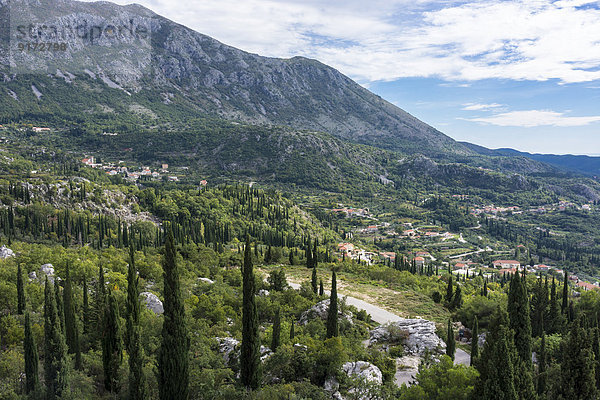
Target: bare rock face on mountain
[417, 335]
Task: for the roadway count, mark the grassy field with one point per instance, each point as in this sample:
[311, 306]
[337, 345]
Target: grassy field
[407, 303]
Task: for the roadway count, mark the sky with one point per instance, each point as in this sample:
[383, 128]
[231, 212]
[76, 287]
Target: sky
[499, 73]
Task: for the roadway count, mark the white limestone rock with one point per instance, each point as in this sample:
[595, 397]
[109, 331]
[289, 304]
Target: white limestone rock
[210, 281]
[47, 270]
[420, 335]
[319, 310]
[153, 302]
[364, 370]
[5, 252]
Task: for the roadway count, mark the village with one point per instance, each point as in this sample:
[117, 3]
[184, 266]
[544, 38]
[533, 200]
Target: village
[422, 237]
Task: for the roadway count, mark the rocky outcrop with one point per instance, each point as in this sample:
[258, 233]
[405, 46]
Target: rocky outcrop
[417, 336]
[319, 310]
[363, 370]
[152, 302]
[46, 270]
[230, 349]
[5, 252]
[206, 280]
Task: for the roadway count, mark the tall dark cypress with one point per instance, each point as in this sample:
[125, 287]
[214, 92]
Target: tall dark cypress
[251, 374]
[520, 324]
[173, 357]
[275, 339]
[577, 375]
[554, 319]
[31, 358]
[56, 368]
[449, 291]
[99, 301]
[313, 281]
[292, 329]
[332, 312]
[137, 379]
[496, 364]
[596, 350]
[315, 255]
[565, 295]
[20, 292]
[71, 329]
[450, 342]
[321, 289]
[86, 308]
[541, 383]
[518, 313]
[112, 348]
[308, 255]
[60, 309]
[475, 341]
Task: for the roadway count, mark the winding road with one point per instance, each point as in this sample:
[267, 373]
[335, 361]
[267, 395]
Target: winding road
[382, 316]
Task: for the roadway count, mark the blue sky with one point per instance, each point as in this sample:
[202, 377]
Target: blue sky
[500, 73]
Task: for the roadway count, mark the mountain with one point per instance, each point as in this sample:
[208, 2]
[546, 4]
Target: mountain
[586, 165]
[190, 71]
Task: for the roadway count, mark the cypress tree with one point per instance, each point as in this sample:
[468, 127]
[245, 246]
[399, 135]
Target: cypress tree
[449, 290]
[315, 256]
[99, 301]
[554, 324]
[565, 295]
[86, 308]
[276, 331]
[292, 332]
[332, 312]
[56, 370]
[541, 387]
[20, 291]
[31, 358]
[450, 342]
[520, 325]
[518, 312]
[321, 289]
[313, 281]
[71, 329]
[137, 379]
[250, 351]
[496, 364]
[596, 351]
[173, 357]
[475, 342]
[577, 377]
[308, 255]
[112, 349]
[59, 306]
[457, 299]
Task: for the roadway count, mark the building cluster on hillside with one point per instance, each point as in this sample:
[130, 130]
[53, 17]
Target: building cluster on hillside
[353, 252]
[113, 169]
[353, 212]
[491, 209]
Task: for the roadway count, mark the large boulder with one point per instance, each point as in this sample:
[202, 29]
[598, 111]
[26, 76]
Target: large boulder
[46, 270]
[5, 252]
[319, 310]
[417, 336]
[152, 302]
[228, 348]
[364, 370]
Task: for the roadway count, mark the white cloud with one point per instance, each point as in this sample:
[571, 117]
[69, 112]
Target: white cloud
[480, 107]
[533, 118]
[385, 40]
